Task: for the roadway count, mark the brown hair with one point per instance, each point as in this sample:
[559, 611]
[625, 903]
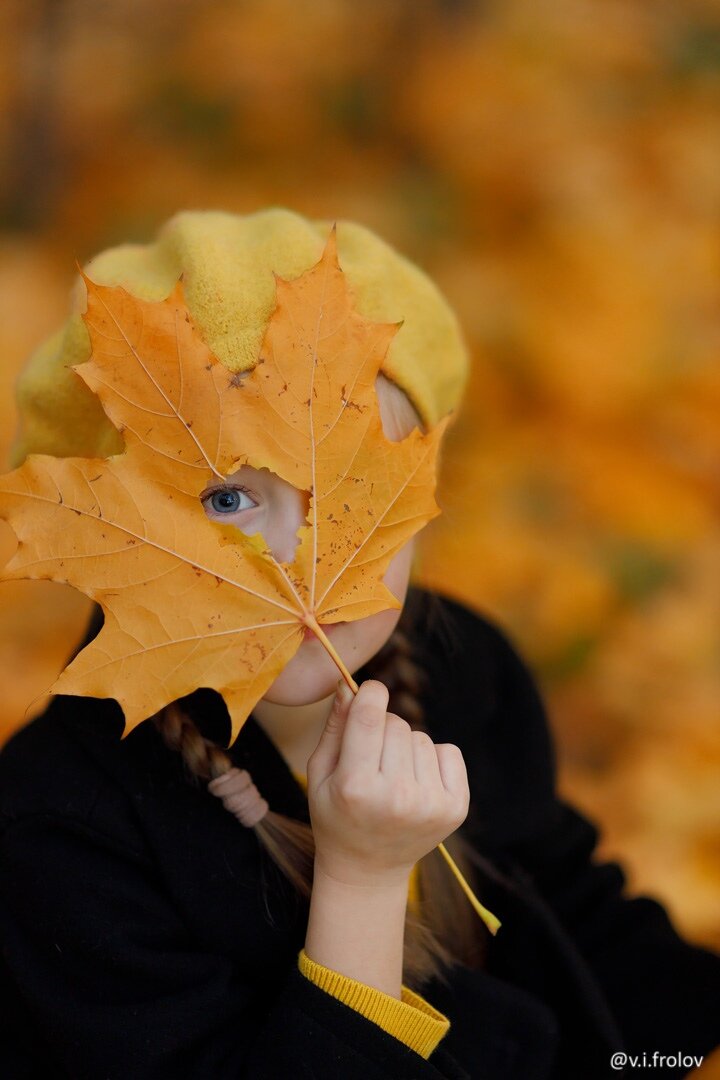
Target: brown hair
[446, 929]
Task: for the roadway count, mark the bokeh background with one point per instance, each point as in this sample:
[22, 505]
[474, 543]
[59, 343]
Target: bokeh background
[555, 166]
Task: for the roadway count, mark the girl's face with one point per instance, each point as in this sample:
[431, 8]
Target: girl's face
[256, 500]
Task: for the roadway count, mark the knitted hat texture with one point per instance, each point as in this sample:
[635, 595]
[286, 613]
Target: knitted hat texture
[227, 262]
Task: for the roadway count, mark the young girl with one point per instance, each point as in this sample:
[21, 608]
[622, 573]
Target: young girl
[174, 907]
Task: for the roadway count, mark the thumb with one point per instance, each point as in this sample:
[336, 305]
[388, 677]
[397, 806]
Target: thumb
[325, 756]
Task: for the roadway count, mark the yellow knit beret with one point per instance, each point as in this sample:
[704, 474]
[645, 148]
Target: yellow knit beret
[228, 262]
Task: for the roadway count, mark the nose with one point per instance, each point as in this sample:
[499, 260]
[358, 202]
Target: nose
[292, 508]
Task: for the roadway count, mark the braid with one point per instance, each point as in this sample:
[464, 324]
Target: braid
[446, 930]
[203, 759]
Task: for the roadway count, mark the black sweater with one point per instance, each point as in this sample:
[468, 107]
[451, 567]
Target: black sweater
[145, 934]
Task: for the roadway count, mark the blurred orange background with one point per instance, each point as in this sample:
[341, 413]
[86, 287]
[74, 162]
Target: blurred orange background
[555, 166]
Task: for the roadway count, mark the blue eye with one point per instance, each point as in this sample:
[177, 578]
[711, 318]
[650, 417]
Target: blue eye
[225, 501]
[228, 500]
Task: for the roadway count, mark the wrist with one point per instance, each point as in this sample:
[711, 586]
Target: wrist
[356, 924]
[344, 874]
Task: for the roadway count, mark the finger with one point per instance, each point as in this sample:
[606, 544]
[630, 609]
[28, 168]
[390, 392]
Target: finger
[325, 756]
[364, 732]
[396, 759]
[452, 769]
[425, 761]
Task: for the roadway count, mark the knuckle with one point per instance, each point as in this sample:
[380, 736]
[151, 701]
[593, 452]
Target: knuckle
[337, 706]
[421, 738]
[350, 793]
[396, 723]
[452, 754]
[334, 721]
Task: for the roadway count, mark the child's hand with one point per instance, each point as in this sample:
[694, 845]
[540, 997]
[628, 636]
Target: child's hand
[380, 794]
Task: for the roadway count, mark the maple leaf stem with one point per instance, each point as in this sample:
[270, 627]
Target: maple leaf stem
[491, 921]
[318, 630]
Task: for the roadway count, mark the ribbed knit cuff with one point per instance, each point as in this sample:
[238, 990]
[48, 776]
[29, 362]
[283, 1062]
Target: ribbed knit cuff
[413, 1020]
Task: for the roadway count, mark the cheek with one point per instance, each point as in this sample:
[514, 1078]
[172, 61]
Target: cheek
[397, 574]
[311, 674]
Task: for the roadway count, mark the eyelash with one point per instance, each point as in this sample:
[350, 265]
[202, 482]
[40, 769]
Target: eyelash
[209, 492]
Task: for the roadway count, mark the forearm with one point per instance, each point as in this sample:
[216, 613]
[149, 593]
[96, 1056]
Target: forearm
[358, 930]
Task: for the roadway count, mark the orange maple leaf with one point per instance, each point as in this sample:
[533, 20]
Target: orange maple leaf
[192, 602]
